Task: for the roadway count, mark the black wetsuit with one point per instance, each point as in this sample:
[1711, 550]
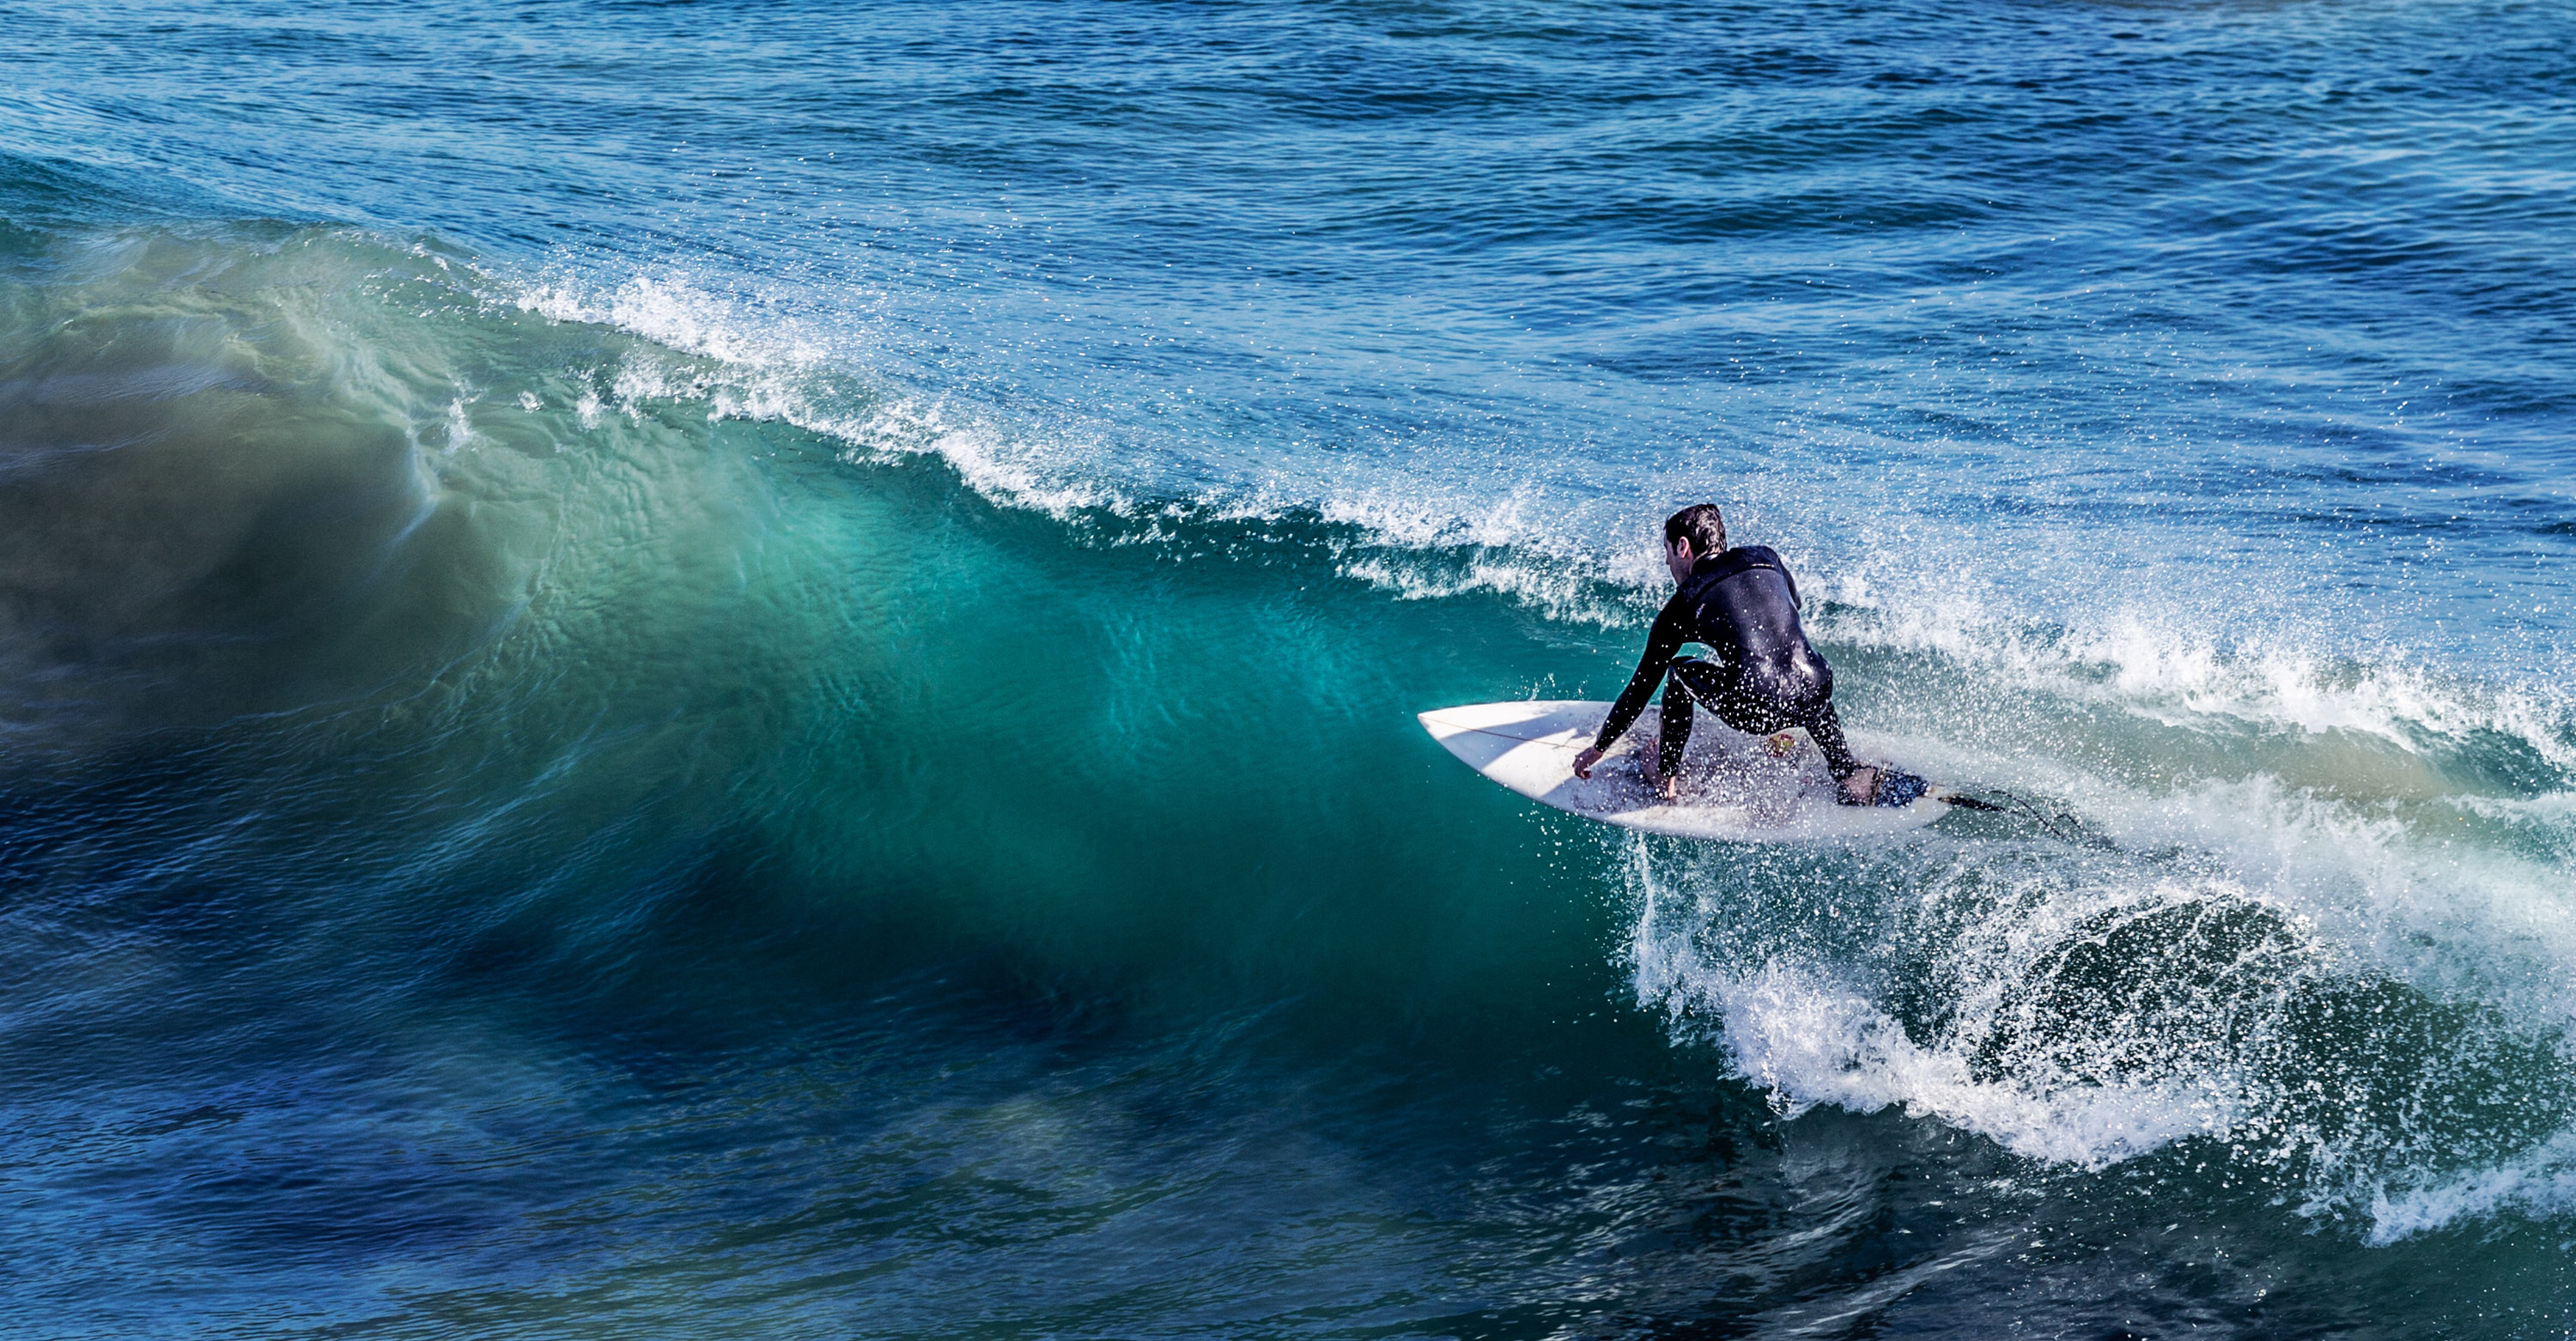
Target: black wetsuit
[1763, 676]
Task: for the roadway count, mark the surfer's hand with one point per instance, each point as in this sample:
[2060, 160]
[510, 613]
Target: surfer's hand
[1583, 762]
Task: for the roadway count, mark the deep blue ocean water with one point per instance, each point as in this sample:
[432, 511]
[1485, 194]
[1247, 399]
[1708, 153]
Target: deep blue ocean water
[747, 669]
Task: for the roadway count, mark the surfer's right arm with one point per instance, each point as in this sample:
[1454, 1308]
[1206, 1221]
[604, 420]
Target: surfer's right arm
[1663, 643]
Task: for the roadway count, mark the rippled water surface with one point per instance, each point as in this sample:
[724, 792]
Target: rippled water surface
[744, 669]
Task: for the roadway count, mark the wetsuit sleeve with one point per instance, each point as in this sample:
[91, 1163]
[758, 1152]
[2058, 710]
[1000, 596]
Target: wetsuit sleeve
[1662, 642]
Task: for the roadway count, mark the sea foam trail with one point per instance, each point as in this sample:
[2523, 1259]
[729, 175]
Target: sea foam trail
[2373, 1023]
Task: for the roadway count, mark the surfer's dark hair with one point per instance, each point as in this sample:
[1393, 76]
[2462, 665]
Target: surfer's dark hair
[1701, 524]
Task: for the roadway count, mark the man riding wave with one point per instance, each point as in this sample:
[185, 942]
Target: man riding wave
[1762, 677]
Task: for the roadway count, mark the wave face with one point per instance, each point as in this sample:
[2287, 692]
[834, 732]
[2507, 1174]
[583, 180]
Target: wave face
[708, 670]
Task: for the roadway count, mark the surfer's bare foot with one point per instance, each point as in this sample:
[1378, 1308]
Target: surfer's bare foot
[1860, 786]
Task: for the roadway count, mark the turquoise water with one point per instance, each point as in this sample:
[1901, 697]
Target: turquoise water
[747, 670]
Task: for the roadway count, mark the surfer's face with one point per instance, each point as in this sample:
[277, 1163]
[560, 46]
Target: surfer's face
[1678, 556]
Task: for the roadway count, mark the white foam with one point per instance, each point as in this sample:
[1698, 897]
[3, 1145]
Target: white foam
[2541, 1184]
[2343, 893]
[2453, 919]
[2152, 665]
[744, 361]
[1797, 1031]
[673, 310]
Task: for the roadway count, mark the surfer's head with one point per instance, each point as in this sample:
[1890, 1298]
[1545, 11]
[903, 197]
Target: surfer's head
[1691, 535]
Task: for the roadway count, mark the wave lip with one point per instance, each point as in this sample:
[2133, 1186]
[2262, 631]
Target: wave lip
[220, 487]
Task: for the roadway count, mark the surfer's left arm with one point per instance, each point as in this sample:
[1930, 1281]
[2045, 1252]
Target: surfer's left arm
[1663, 643]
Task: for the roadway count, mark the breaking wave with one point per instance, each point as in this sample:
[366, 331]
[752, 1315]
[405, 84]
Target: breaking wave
[2307, 910]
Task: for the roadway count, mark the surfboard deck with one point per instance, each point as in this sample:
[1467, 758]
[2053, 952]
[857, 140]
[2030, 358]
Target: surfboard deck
[1733, 786]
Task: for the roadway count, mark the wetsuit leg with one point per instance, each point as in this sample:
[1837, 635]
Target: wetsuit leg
[1749, 713]
[1693, 679]
[1827, 729]
[1686, 679]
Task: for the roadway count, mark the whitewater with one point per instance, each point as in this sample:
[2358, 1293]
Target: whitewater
[749, 670]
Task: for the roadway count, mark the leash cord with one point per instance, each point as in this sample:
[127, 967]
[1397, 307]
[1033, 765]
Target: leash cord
[2059, 824]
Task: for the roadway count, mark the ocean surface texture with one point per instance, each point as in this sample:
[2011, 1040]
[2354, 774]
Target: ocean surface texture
[746, 669]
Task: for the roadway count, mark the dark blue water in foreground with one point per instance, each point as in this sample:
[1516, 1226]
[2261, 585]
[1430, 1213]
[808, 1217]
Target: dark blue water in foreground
[720, 670]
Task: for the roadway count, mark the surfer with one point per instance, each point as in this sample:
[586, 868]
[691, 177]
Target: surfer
[1763, 677]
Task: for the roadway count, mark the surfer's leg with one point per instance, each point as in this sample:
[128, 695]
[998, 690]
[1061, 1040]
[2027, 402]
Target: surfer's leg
[1857, 781]
[1742, 710]
[1827, 729]
[1686, 679]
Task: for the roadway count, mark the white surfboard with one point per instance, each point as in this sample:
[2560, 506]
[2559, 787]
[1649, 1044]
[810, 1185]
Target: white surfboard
[1734, 786]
